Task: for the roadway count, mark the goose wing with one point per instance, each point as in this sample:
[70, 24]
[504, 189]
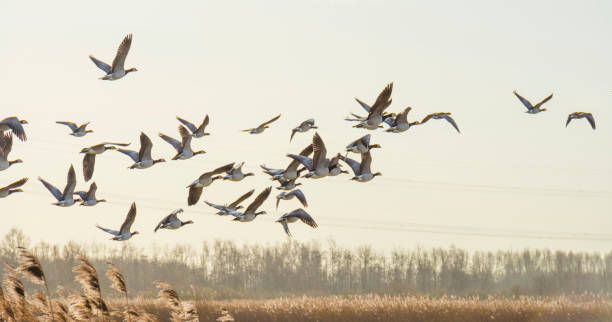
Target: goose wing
[319, 150]
[544, 100]
[145, 147]
[110, 231]
[114, 143]
[102, 65]
[194, 195]
[130, 153]
[366, 162]
[569, 119]
[452, 122]
[523, 100]
[82, 127]
[16, 184]
[129, 220]
[591, 119]
[122, 52]
[71, 125]
[286, 227]
[81, 194]
[270, 121]
[219, 170]
[185, 136]
[89, 162]
[15, 125]
[295, 163]
[427, 118]
[300, 196]
[304, 217]
[54, 191]
[382, 101]
[259, 200]
[204, 123]
[355, 166]
[6, 145]
[306, 161]
[241, 199]
[403, 116]
[218, 207]
[91, 194]
[164, 221]
[188, 124]
[71, 182]
[175, 143]
[365, 106]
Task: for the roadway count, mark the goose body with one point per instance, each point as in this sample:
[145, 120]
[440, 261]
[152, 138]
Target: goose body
[533, 109]
[361, 145]
[172, 221]
[334, 166]
[318, 166]
[376, 111]
[362, 169]
[225, 210]
[183, 148]
[12, 188]
[6, 145]
[291, 172]
[251, 211]
[89, 160]
[579, 115]
[262, 127]
[196, 132]
[65, 198]
[297, 193]
[124, 232]
[88, 198]
[12, 125]
[205, 180]
[399, 123]
[236, 174]
[303, 127]
[142, 159]
[78, 131]
[288, 184]
[294, 216]
[441, 115]
[117, 70]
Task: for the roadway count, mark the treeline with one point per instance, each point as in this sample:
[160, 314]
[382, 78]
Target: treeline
[224, 269]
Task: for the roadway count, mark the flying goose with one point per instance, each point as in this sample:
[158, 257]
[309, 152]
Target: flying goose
[288, 184]
[14, 125]
[293, 217]
[197, 132]
[334, 166]
[12, 188]
[89, 160]
[362, 170]
[78, 131]
[251, 211]
[319, 164]
[172, 221]
[362, 145]
[303, 127]
[290, 172]
[117, 70]
[400, 122]
[205, 180]
[579, 115]
[225, 209]
[124, 232]
[533, 109]
[262, 126]
[441, 115]
[142, 158]
[88, 198]
[6, 144]
[297, 193]
[375, 112]
[64, 199]
[236, 174]
[183, 148]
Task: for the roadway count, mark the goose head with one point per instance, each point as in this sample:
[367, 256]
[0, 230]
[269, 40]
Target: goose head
[23, 122]
[374, 146]
[186, 222]
[102, 200]
[377, 174]
[260, 213]
[15, 190]
[343, 171]
[131, 70]
[249, 174]
[199, 152]
[135, 232]
[542, 109]
[15, 161]
[158, 160]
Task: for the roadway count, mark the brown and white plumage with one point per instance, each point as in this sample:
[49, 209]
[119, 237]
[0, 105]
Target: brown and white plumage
[183, 148]
[251, 211]
[6, 145]
[318, 166]
[533, 109]
[295, 215]
[205, 180]
[303, 127]
[13, 125]
[441, 115]
[290, 172]
[65, 198]
[297, 193]
[362, 170]
[400, 123]
[124, 232]
[197, 132]
[77, 130]
[236, 174]
[89, 160]
[12, 188]
[172, 221]
[117, 70]
[579, 115]
[362, 145]
[225, 209]
[142, 159]
[262, 126]
[88, 198]
[376, 111]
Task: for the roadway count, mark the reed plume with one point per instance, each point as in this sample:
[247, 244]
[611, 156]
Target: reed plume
[179, 312]
[80, 307]
[87, 276]
[6, 309]
[30, 267]
[118, 283]
[16, 292]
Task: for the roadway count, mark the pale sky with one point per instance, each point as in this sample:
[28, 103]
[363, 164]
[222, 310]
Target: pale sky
[507, 176]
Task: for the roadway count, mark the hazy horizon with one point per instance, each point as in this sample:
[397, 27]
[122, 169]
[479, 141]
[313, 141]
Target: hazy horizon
[510, 180]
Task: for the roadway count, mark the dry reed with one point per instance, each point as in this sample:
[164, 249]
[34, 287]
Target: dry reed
[87, 276]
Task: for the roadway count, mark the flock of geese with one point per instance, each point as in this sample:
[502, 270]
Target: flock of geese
[301, 165]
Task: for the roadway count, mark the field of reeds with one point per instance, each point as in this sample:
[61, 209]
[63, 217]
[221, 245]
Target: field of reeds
[38, 304]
